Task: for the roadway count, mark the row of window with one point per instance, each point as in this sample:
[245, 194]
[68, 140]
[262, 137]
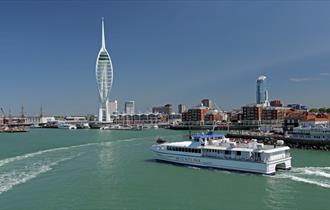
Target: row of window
[227, 152]
[184, 149]
[193, 150]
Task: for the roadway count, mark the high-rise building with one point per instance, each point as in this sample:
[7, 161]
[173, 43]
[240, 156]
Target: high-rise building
[262, 91]
[182, 108]
[207, 103]
[113, 107]
[167, 109]
[104, 78]
[129, 107]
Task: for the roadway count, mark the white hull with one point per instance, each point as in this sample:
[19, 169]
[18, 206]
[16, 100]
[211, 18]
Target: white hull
[237, 165]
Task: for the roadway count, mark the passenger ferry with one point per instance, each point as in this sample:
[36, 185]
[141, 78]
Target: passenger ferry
[311, 133]
[217, 151]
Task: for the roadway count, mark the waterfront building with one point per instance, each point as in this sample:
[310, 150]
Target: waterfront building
[273, 117]
[166, 109]
[38, 119]
[113, 107]
[182, 108]
[212, 117]
[104, 79]
[315, 120]
[252, 114]
[276, 103]
[194, 116]
[139, 119]
[207, 103]
[293, 119]
[298, 107]
[262, 91]
[129, 107]
[174, 119]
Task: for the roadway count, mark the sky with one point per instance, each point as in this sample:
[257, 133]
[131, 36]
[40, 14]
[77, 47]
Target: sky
[162, 52]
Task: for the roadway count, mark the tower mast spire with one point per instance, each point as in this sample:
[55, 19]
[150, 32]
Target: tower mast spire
[103, 36]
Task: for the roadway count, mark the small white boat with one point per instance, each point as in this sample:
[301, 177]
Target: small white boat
[66, 126]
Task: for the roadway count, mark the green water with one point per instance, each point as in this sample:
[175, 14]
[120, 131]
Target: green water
[93, 169]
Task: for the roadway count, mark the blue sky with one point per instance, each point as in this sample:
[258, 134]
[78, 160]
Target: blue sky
[163, 52]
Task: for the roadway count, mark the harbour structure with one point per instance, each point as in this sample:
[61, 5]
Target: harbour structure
[262, 91]
[104, 79]
[217, 151]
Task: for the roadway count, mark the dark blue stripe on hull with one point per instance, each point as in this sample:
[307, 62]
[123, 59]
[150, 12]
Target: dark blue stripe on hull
[209, 167]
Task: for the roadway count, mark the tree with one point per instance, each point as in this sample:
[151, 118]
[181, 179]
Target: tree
[328, 110]
[322, 110]
[315, 110]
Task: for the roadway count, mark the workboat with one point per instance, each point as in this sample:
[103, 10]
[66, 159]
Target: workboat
[217, 151]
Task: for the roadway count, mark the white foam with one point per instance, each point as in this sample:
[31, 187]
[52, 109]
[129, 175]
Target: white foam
[30, 170]
[29, 155]
[309, 181]
[19, 176]
[311, 175]
[317, 173]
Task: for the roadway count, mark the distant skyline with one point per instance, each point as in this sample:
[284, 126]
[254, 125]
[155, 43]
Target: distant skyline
[163, 52]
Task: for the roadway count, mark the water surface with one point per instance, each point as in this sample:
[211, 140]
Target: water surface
[93, 169]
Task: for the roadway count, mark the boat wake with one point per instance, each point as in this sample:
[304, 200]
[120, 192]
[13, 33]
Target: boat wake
[30, 155]
[21, 175]
[319, 176]
[22, 168]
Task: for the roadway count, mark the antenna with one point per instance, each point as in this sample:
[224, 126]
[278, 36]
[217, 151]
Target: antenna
[103, 36]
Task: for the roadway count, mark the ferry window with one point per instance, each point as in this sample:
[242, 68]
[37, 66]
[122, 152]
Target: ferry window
[238, 153]
[258, 154]
[227, 152]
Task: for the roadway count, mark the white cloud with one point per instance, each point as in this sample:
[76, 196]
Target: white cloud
[300, 79]
[325, 74]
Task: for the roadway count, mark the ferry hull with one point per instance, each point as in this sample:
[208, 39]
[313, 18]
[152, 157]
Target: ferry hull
[233, 165]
